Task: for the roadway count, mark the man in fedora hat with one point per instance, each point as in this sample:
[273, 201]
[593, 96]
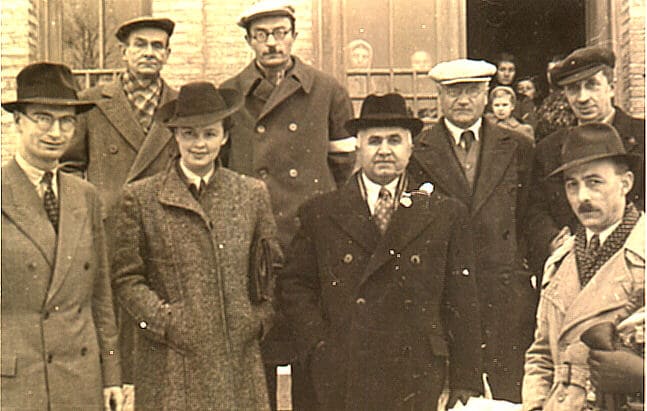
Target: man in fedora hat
[181, 249]
[378, 284]
[119, 141]
[291, 134]
[596, 272]
[586, 78]
[59, 337]
[487, 168]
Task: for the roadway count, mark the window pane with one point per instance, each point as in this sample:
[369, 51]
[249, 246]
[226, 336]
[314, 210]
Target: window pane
[367, 20]
[414, 31]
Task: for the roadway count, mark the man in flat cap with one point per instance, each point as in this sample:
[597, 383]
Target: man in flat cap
[290, 134]
[59, 337]
[586, 77]
[377, 283]
[595, 278]
[119, 141]
[487, 168]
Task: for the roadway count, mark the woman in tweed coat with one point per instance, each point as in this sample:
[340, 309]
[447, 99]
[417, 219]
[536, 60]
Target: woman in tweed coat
[181, 267]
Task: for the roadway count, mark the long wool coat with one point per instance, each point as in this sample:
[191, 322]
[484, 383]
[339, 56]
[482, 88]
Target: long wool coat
[180, 270]
[566, 310]
[389, 309]
[497, 206]
[59, 338]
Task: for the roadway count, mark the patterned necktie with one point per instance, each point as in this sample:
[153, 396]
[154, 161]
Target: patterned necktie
[467, 137]
[594, 244]
[49, 200]
[383, 209]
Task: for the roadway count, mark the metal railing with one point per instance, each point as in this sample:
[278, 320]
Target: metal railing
[87, 78]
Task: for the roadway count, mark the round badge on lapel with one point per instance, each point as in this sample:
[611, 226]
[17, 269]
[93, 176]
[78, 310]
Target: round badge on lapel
[406, 202]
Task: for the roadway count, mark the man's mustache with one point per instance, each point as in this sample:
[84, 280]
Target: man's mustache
[586, 208]
[272, 50]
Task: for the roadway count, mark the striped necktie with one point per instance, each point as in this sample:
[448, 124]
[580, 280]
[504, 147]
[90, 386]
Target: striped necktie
[49, 200]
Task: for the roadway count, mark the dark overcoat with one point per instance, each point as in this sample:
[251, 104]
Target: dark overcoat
[59, 338]
[389, 309]
[180, 269]
[496, 208]
[549, 210]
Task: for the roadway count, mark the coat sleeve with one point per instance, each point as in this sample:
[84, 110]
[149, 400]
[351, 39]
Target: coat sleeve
[539, 367]
[102, 304]
[300, 290]
[341, 153]
[461, 309]
[159, 319]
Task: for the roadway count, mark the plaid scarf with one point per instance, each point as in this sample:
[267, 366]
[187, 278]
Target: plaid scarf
[143, 99]
[588, 263]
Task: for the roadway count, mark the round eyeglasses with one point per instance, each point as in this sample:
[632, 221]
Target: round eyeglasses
[279, 34]
[46, 121]
[470, 90]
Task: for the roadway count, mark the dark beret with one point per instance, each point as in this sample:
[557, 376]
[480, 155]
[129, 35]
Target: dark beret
[581, 64]
[127, 27]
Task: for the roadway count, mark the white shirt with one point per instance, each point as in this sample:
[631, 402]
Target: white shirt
[35, 176]
[373, 190]
[604, 234]
[456, 131]
[195, 179]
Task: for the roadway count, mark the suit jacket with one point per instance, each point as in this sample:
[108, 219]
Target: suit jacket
[566, 310]
[497, 204]
[549, 210]
[110, 146]
[390, 309]
[59, 338]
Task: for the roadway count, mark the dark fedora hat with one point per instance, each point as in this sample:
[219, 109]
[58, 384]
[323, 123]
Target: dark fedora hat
[590, 142]
[46, 83]
[389, 110]
[199, 104]
[127, 27]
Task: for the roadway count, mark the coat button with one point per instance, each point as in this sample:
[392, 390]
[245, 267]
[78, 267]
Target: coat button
[468, 166]
[348, 258]
[561, 397]
[113, 149]
[86, 266]
[360, 301]
[143, 325]
[465, 272]
[84, 351]
[415, 259]
[260, 129]
[293, 127]
[293, 172]
[31, 265]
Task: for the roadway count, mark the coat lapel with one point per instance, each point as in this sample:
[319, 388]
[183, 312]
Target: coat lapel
[73, 217]
[353, 216]
[497, 152]
[117, 110]
[174, 192]
[20, 202]
[285, 89]
[436, 156]
[157, 138]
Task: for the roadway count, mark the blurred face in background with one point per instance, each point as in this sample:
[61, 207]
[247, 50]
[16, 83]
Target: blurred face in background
[505, 72]
[360, 57]
[527, 88]
[502, 107]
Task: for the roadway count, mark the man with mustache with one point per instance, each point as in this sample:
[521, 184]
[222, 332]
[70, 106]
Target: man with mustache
[591, 278]
[290, 133]
[119, 142]
[487, 168]
[586, 78]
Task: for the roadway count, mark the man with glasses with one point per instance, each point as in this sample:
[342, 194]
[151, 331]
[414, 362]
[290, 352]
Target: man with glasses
[290, 133]
[487, 168]
[59, 337]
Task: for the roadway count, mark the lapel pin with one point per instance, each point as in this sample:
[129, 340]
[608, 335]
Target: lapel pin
[427, 188]
[406, 201]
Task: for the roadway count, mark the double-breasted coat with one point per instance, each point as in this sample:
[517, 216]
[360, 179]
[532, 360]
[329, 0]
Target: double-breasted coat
[59, 338]
[549, 210]
[496, 210]
[566, 310]
[181, 271]
[390, 310]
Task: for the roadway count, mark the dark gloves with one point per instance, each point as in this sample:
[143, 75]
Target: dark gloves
[619, 371]
[461, 394]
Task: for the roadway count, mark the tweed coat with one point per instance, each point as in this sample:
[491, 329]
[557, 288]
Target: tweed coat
[110, 146]
[59, 338]
[390, 309]
[566, 310]
[496, 208]
[180, 270]
[549, 210]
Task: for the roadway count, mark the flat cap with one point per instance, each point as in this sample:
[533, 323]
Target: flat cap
[127, 27]
[462, 71]
[265, 8]
[581, 64]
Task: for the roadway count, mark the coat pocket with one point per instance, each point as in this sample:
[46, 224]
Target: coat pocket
[9, 365]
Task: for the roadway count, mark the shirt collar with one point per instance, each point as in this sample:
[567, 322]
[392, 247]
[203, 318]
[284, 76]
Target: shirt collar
[35, 174]
[373, 190]
[195, 179]
[603, 235]
[456, 131]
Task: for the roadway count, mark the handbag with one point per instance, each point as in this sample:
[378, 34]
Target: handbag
[261, 272]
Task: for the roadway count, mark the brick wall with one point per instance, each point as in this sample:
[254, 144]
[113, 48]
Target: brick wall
[208, 45]
[19, 48]
[630, 69]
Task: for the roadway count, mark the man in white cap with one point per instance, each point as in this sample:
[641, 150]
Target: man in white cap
[487, 168]
[290, 133]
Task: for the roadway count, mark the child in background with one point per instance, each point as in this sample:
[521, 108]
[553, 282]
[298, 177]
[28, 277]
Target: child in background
[503, 101]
